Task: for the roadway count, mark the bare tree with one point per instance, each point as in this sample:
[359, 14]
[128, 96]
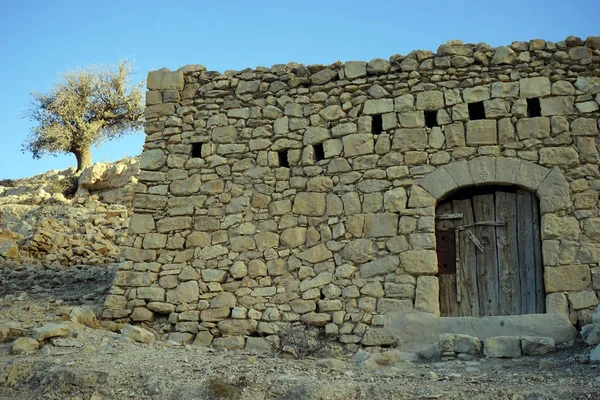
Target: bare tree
[87, 107]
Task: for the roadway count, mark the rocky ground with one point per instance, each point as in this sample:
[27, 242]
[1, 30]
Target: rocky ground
[97, 363]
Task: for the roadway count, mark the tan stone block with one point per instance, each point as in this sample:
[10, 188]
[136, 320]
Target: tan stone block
[581, 300]
[315, 254]
[538, 86]
[567, 278]
[381, 266]
[358, 144]
[380, 225]
[427, 295]
[481, 132]
[165, 80]
[409, 139]
[559, 156]
[538, 128]
[419, 262]
[310, 204]
[430, 100]
[557, 303]
[482, 170]
[558, 105]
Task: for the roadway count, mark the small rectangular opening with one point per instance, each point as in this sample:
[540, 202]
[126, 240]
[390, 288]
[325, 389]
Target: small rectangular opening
[431, 119]
[376, 124]
[533, 107]
[476, 110]
[283, 159]
[196, 150]
[318, 151]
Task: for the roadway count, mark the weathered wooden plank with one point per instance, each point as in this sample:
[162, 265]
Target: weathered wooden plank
[540, 292]
[448, 304]
[508, 262]
[525, 240]
[487, 262]
[467, 268]
[447, 282]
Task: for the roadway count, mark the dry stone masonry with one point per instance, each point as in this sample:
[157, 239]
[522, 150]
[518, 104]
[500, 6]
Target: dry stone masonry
[307, 194]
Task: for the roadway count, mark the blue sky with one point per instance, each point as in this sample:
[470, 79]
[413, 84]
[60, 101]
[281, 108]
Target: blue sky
[39, 39]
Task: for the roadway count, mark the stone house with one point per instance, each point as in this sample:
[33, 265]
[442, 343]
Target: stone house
[462, 183]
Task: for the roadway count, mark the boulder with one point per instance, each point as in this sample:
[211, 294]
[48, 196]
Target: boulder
[138, 334]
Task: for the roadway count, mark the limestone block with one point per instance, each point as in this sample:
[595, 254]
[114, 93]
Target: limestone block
[419, 262]
[495, 108]
[394, 200]
[134, 279]
[459, 172]
[170, 224]
[537, 346]
[562, 88]
[430, 100]
[245, 87]
[24, 345]
[412, 119]
[557, 105]
[242, 243]
[404, 103]
[482, 170]
[378, 337]
[502, 347]
[153, 160]
[380, 106]
[409, 139]
[355, 69]
[559, 156]
[316, 319]
[564, 228]
[151, 293]
[49, 331]
[330, 305]
[359, 251]
[323, 76]
[381, 266]
[358, 144]
[399, 290]
[141, 223]
[588, 84]
[186, 292]
[506, 170]
[164, 80]
[310, 203]
[159, 110]
[481, 132]
[344, 129]
[215, 314]
[438, 183]
[332, 113]
[397, 244]
[419, 197]
[215, 186]
[581, 300]
[557, 303]
[161, 308]
[536, 128]
[198, 239]
[506, 131]
[538, 86]
[504, 55]
[531, 175]
[210, 252]
[138, 334]
[293, 237]
[203, 339]
[567, 278]
[214, 275]
[186, 187]
[303, 306]
[332, 148]
[394, 307]
[315, 254]
[584, 127]
[427, 295]
[378, 66]
[257, 268]
[142, 314]
[380, 225]
[475, 94]
[505, 89]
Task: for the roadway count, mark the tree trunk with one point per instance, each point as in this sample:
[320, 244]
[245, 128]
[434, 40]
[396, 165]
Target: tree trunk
[84, 158]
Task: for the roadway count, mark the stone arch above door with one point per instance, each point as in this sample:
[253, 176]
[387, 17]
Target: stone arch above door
[549, 185]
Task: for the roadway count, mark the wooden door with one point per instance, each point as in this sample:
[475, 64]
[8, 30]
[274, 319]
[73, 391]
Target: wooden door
[489, 253]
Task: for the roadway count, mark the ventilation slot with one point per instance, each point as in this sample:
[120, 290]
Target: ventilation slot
[283, 159]
[376, 124]
[431, 119]
[196, 150]
[318, 151]
[533, 107]
[476, 111]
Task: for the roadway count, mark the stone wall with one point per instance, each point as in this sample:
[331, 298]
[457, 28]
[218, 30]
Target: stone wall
[307, 193]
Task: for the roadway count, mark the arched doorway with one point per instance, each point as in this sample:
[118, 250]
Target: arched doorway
[489, 252]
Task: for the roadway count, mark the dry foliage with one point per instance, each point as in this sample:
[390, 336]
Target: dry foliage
[226, 389]
[87, 107]
[301, 341]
